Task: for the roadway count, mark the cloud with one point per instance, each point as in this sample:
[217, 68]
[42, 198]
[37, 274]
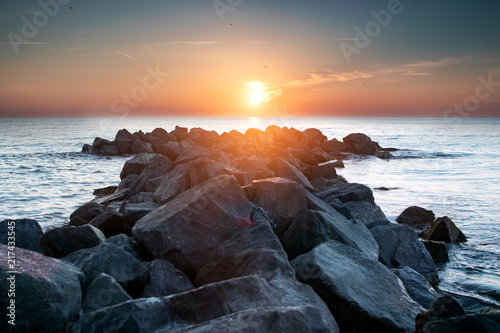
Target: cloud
[318, 78]
[127, 55]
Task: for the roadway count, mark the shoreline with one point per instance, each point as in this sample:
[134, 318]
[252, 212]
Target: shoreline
[189, 168]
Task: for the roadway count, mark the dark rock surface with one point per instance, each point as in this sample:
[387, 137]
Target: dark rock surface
[128, 244]
[417, 218]
[484, 323]
[444, 230]
[104, 291]
[88, 211]
[416, 285]
[437, 250]
[165, 280]
[60, 242]
[136, 164]
[48, 292]
[362, 294]
[25, 233]
[110, 222]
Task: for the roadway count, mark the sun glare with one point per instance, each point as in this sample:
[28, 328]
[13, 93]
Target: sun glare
[257, 94]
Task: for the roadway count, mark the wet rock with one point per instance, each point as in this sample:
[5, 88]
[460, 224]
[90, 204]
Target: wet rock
[416, 285]
[100, 143]
[108, 258]
[26, 233]
[104, 291]
[108, 151]
[364, 211]
[123, 141]
[77, 221]
[335, 145]
[136, 165]
[444, 230]
[443, 308]
[102, 192]
[110, 223]
[88, 211]
[312, 228]
[362, 144]
[417, 218]
[437, 250]
[484, 323]
[128, 244]
[60, 242]
[399, 246]
[165, 280]
[346, 192]
[362, 294]
[88, 149]
[48, 292]
[187, 228]
[139, 147]
[284, 169]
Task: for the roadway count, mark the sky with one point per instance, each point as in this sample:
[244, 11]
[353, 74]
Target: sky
[116, 58]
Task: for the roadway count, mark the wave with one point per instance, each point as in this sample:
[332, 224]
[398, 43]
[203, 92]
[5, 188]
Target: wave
[419, 154]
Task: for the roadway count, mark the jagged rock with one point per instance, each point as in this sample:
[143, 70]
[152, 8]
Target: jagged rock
[437, 250]
[157, 167]
[443, 308]
[139, 147]
[443, 229]
[127, 182]
[60, 242]
[108, 151]
[100, 143]
[346, 192]
[362, 144]
[104, 291]
[27, 233]
[165, 280]
[110, 223]
[89, 149]
[417, 218]
[123, 134]
[399, 246]
[484, 323]
[133, 212]
[335, 145]
[364, 211]
[128, 244]
[416, 285]
[142, 197]
[173, 183]
[160, 133]
[104, 191]
[108, 258]
[136, 164]
[172, 150]
[48, 292]
[123, 141]
[88, 211]
[186, 228]
[285, 170]
[180, 132]
[362, 294]
[312, 228]
[77, 221]
[320, 171]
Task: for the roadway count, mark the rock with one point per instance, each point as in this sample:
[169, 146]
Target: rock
[484, 323]
[417, 287]
[108, 151]
[399, 246]
[100, 143]
[60, 242]
[139, 147]
[173, 183]
[160, 133]
[110, 223]
[48, 292]
[362, 144]
[335, 145]
[312, 228]
[133, 212]
[443, 229]
[141, 198]
[364, 211]
[362, 294]
[77, 221]
[108, 200]
[180, 132]
[437, 250]
[172, 150]
[123, 134]
[187, 228]
[108, 258]
[88, 149]
[325, 171]
[128, 244]
[104, 291]
[417, 218]
[136, 164]
[284, 169]
[165, 280]
[385, 155]
[102, 192]
[26, 234]
[443, 308]
[346, 192]
[88, 211]
[127, 182]
[157, 167]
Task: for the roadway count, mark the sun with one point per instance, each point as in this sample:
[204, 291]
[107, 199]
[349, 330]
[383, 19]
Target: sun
[257, 93]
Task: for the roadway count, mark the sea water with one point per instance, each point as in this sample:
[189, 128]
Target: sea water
[450, 166]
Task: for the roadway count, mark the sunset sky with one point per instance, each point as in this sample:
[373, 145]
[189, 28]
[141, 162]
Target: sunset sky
[214, 58]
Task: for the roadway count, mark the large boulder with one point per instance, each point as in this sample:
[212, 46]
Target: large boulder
[104, 291]
[416, 217]
[335, 145]
[320, 171]
[110, 223]
[484, 323]
[312, 228]
[88, 211]
[165, 280]
[284, 169]
[437, 250]
[60, 242]
[173, 183]
[364, 211]
[445, 307]
[128, 244]
[139, 147]
[345, 192]
[26, 234]
[362, 144]
[108, 258]
[362, 294]
[417, 287]
[136, 164]
[48, 292]
[399, 246]
[133, 212]
[187, 228]
[157, 167]
[444, 230]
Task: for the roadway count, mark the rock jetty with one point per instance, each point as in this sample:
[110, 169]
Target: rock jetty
[252, 232]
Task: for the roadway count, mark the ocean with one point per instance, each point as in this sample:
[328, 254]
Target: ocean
[450, 166]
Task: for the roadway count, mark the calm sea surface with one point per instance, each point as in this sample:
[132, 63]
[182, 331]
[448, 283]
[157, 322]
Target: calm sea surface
[449, 167]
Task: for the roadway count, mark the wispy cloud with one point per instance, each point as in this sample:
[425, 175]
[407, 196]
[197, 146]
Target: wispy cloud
[193, 43]
[318, 78]
[127, 55]
[27, 43]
